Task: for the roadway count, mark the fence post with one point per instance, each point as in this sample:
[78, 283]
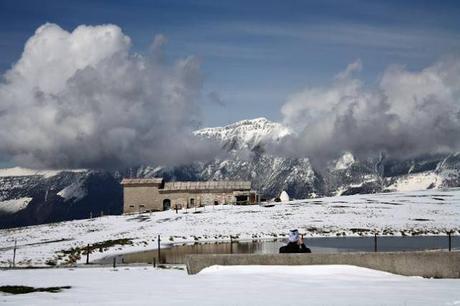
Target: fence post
[159, 252]
[87, 254]
[154, 262]
[375, 242]
[114, 262]
[231, 244]
[14, 253]
[450, 240]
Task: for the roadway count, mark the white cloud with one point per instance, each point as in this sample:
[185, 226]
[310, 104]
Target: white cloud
[83, 99]
[356, 66]
[407, 114]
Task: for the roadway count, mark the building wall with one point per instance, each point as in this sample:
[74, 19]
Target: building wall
[184, 199]
[178, 199]
[437, 264]
[221, 198]
[141, 198]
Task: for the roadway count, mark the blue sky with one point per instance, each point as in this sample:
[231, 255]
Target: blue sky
[255, 54]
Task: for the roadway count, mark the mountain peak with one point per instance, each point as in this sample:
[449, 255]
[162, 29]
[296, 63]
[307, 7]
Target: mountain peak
[247, 133]
[260, 120]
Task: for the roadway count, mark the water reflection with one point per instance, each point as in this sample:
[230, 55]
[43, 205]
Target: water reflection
[176, 254]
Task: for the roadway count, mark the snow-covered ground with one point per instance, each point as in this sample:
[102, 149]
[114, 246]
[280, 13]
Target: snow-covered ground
[423, 212]
[230, 285]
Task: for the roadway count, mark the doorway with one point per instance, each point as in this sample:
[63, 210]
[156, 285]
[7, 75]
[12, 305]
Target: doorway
[166, 204]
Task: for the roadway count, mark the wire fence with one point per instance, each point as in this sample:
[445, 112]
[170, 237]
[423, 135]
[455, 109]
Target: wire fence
[167, 252]
[175, 253]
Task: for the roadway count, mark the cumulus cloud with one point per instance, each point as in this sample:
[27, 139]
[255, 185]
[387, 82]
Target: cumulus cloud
[407, 114]
[83, 99]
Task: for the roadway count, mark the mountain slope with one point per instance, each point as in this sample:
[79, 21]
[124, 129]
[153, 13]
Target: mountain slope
[65, 195]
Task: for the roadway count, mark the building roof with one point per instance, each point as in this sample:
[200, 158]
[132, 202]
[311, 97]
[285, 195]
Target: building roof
[141, 181]
[209, 185]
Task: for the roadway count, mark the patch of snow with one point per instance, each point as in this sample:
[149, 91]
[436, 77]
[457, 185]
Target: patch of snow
[76, 191]
[19, 171]
[311, 270]
[411, 169]
[9, 207]
[416, 181]
[342, 189]
[345, 161]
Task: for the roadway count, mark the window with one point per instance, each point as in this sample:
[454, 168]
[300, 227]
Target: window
[241, 199]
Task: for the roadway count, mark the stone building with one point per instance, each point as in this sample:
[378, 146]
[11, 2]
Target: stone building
[142, 195]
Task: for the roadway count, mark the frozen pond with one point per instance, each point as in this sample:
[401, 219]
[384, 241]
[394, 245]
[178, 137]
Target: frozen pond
[175, 254]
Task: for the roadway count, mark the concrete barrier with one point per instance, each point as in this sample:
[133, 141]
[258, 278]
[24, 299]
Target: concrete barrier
[438, 264]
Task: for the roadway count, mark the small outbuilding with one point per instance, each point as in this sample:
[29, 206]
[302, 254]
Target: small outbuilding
[284, 197]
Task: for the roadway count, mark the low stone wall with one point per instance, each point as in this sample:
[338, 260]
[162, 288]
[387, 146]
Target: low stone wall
[438, 264]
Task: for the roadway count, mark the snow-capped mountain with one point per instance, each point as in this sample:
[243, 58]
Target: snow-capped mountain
[246, 142]
[246, 134]
[33, 197]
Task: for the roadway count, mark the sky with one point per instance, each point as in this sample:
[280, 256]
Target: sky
[255, 54]
[103, 77]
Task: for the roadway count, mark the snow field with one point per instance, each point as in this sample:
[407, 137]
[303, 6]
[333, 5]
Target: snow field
[230, 285]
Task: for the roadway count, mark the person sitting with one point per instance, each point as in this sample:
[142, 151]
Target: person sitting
[296, 244]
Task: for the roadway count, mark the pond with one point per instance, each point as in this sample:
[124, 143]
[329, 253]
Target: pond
[175, 254]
